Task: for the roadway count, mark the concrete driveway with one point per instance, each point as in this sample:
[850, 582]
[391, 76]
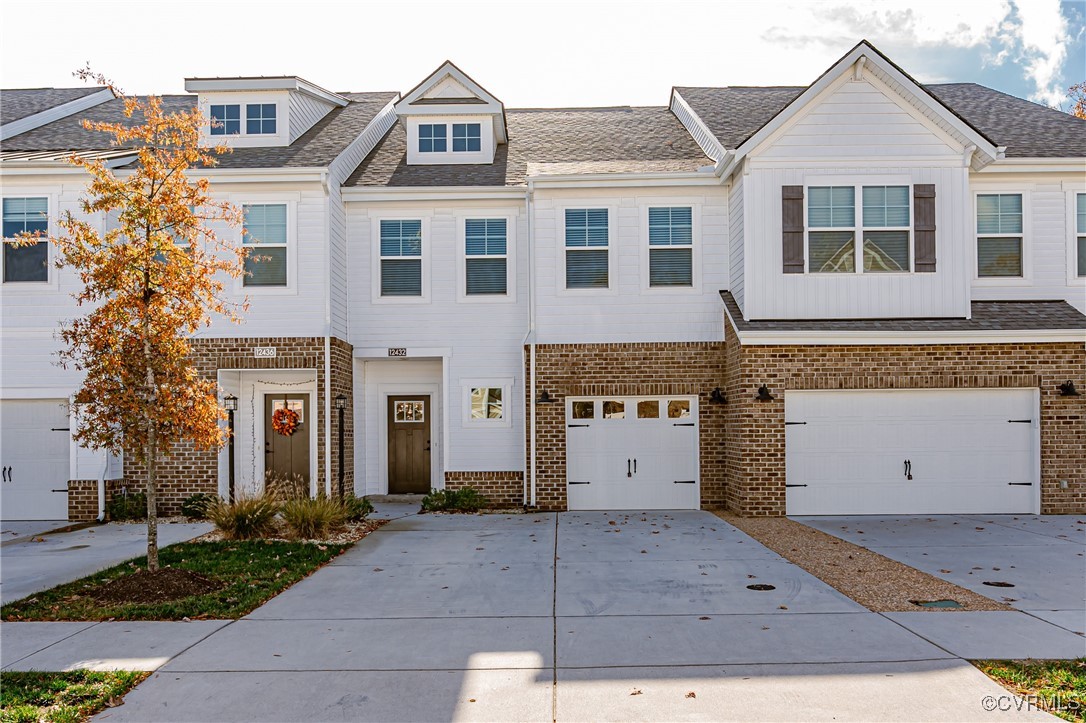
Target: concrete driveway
[40, 561]
[577, 616]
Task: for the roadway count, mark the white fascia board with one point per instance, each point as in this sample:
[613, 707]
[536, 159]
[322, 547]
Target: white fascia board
[443, 193]
[899, 338]
[704, 137]
[1036, 165]
[844, 66]
[30, 122]
[291, 83]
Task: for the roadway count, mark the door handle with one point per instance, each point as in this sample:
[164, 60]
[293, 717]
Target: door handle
[908, 469]
[628, 472]
[5, 472]
[635, 465]
[11, 477]
[427, 446]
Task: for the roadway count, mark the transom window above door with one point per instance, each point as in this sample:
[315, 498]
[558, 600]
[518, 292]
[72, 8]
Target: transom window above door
[410, 411]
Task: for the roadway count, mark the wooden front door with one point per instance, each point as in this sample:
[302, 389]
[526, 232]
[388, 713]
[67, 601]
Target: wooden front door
[287, 455]
[409, 444]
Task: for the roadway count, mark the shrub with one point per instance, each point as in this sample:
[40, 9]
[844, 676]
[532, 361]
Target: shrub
[245, 518]
[286, 486]
[464, 499]
[310, 519]
[195, 506]
[127, 505]
[357, 508]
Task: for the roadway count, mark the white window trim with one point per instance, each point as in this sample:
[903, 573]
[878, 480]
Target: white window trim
[1026, 279]
[503, 383]
[1073, 279]
[375, 265]
[510, 295]
[695, 245]
[858, 228]
[560, 249]
[52, 278]
[291, 202]
[486, 151]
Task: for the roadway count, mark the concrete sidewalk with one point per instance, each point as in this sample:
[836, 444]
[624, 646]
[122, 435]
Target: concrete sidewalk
[578, 616]
[31, 566]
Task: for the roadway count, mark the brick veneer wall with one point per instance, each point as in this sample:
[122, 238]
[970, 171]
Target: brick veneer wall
[502, 489]
[639, 369]
[342, 355]
[189, 470]
[754, 461]
[83, 498]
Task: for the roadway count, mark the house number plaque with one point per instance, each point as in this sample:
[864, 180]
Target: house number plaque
[264, 352]
[397, 351]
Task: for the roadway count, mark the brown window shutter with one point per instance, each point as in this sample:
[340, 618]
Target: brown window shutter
[924, 226]
[792, 227]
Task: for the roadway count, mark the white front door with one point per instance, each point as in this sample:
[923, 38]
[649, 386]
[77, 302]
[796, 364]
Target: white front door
[34, 449]
[929, 451]
[627, 453]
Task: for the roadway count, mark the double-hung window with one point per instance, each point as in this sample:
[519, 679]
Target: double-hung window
[879, 230]
[1080, 233]
[260, 119]
[587, 240]
[486, 250]
[999, 235]
[266, 236]
[433, 138]
[466, 137]
[671, 241]
[225, 120]
[28, 263]
[401, 258]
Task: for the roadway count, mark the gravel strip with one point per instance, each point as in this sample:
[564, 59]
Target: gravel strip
[348, 534]
[876, 582]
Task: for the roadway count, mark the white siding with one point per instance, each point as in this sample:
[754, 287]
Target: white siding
[736, 240]
[1048, 240]
[773, 294]
[857, 120]
[630, 311]
[484, 339]
[304, 113]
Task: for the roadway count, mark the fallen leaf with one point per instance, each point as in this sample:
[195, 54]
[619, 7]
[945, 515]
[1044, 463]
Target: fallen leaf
[636, 691]
[691, 694]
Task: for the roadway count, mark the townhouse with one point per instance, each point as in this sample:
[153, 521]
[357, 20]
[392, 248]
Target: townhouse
[865, 295]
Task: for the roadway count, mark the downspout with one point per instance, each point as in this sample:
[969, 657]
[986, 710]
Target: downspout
[327, 335]
[102, 486]
[529, 207]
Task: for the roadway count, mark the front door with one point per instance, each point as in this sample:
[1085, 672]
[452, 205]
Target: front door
[409, 444]
[286, 454]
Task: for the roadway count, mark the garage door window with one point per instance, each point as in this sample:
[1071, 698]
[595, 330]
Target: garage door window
[614, 410]
[678, 409]
[648, 409]
[584, 410]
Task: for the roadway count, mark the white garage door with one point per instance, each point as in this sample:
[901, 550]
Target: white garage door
[34, 443]
[625, 453]
[931, 451]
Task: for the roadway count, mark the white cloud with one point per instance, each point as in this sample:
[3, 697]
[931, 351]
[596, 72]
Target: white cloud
[1044, 37]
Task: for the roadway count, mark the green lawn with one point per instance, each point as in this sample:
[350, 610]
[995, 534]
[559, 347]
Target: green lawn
[1058, 686]
[252, 572]
[61, 697]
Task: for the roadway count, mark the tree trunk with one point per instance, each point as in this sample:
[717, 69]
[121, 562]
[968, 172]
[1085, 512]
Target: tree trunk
[152, 451]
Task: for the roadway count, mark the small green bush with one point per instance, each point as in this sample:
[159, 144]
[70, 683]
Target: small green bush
[127, 506]
[195, 506]
[357, 508]
[245, 518]
[310, 519]
[464, 499]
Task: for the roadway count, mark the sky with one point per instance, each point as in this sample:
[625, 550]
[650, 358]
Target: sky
[544, 53]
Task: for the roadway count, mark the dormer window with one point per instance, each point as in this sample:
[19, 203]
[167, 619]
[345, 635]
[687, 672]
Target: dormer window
[467, 137]
[260, 118]
[432, 138]
[225, 120]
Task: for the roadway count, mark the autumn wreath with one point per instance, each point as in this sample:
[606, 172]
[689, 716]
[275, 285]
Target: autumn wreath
[285, 422]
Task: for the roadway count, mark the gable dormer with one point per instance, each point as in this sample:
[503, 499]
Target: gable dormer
[451, 119]
[261, 112]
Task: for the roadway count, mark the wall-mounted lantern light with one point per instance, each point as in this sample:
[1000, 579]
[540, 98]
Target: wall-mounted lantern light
[1067, 389]
[717, 397]
[763, 394]
[545, 397]
[341, 401]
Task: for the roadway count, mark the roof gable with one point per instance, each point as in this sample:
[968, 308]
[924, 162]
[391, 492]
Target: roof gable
[449, 90]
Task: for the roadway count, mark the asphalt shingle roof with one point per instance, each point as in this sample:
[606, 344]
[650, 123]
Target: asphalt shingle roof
[1027, 130]
[317, 147]
[986, 316]
[576, 140]
[22, 102]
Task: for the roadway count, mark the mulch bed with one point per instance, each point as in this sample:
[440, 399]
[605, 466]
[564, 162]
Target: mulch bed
[876, 582]
[163, 585]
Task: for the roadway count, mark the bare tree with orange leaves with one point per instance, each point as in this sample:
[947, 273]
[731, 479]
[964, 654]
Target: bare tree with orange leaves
[1077, 94]
[149, 282]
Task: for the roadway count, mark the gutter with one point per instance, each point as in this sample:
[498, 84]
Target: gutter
[327, 335]
[102, 486]
[530, 491]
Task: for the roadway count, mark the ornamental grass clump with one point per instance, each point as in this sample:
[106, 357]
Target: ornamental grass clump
[312, 519]
[246, 518]
[357, 508]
